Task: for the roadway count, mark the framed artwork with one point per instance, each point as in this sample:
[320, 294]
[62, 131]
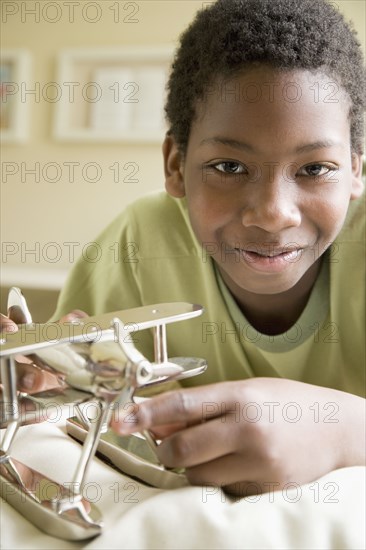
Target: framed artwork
[112, 95]
[14, 79]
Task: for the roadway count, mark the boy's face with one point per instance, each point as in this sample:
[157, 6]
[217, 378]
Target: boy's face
[268, 175]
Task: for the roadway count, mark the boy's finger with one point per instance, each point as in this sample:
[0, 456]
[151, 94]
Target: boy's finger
[183, 407]
[30, 413]
[32, 379]
[161, 432]
[7, 325]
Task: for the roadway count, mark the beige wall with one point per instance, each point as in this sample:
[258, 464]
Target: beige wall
[64, 212]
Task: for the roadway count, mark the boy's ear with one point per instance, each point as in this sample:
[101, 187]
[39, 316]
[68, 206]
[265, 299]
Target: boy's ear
[357, 183]
[173, 168]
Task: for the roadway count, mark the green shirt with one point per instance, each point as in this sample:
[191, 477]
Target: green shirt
[149, 254]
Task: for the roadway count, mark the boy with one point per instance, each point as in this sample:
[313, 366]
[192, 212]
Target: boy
[263, 225]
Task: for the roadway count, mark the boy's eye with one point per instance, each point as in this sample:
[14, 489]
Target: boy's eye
[230, 167]
[315, 170]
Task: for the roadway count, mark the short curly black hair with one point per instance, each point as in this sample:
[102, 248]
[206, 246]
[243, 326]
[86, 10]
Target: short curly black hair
[230, 35]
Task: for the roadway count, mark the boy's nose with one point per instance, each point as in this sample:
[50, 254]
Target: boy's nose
[272, 206]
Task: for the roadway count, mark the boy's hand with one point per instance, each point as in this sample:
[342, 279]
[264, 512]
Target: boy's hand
[7, 325]
[32, 378]
[253, 436]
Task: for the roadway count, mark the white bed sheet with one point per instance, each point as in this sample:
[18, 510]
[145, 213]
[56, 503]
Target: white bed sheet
[326, 514]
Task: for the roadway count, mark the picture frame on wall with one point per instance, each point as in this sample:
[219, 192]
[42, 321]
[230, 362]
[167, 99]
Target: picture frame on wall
[14, 81]
[111, 94]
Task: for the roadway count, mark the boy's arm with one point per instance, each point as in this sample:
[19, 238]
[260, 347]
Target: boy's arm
[255, 435]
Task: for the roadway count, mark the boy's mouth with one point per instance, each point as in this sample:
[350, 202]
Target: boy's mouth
[269, 252]
[269, 258]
